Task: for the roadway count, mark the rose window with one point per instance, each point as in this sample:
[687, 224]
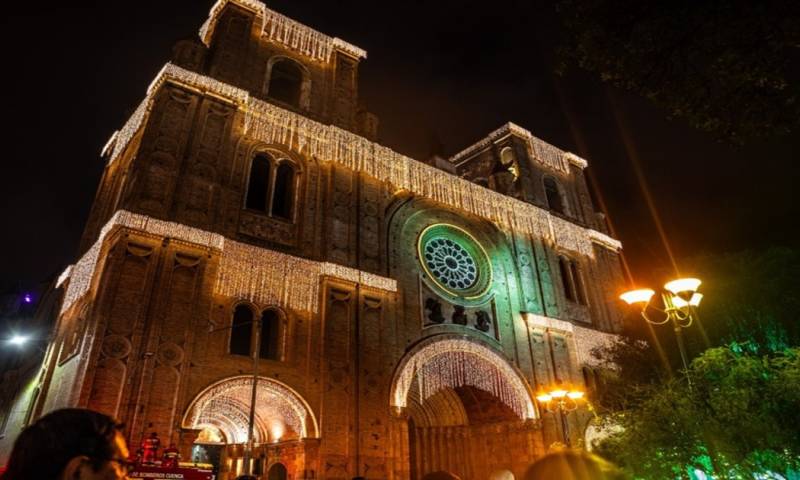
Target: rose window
[450, 263]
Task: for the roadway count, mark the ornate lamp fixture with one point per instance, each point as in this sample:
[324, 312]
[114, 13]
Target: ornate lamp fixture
[680, 298]
[561, 400]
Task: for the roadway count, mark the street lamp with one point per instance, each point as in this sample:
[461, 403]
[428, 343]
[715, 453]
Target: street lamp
[563, 401]
[680, 298]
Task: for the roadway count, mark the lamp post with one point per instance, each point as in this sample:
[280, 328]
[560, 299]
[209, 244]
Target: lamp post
[680, 298]
[563, 401]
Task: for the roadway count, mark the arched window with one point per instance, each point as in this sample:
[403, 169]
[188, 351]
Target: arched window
[283, 194]
[286, 82]
[270, 335]
[563, 267]
[577, 282]
[553, 193]
[241, 330]
[258, 184]
[571, 280]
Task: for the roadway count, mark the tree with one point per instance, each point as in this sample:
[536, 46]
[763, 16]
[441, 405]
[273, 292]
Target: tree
[728, 67]
[737, 418]
[751, 300]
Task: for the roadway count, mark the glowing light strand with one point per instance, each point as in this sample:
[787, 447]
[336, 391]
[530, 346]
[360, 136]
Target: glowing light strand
[453, 363]
[272, 124]
[245, 271]
[584, 340]
[539, 150]
[285, 31]
[226, 407]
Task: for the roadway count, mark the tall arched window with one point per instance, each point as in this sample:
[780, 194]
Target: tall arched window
[283, 194]
[286, 82]
[270, 335]
[571, 280]
[577, 282]
[241, 330]
[553, 193]
[563, 267]
[258, 184]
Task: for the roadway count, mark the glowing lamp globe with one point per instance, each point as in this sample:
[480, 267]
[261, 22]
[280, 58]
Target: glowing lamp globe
[575, 395]
[643, 295]
[544, 398]
[694, 300]
[682, 286]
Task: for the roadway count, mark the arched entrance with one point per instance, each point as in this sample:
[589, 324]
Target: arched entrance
[220, 415]
[468, 410]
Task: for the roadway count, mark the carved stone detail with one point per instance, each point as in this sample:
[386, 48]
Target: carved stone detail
[116, 346]
[169, 354]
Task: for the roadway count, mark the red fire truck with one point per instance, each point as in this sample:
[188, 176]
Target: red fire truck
[185, 471]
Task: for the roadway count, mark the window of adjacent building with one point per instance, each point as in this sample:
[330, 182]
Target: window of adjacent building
[282, 199]
[241, 330]
[286, 82]
[571, 280]
[270, 335]
[267, 196]
[552, 192]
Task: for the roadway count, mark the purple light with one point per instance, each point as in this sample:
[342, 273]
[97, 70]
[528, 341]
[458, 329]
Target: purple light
[27, 298]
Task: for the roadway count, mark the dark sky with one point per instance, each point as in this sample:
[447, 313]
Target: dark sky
[446, 69]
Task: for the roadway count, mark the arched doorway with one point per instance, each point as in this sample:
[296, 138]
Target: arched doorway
[468, 410]
[277, 472]
[220, 416]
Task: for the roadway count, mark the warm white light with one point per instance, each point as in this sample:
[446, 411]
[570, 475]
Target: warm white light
[575, 395]
[642, 295]
[679, 302]
[18, 340]
[682, 285]
[558, 393]
[695, 300]
[544, 398]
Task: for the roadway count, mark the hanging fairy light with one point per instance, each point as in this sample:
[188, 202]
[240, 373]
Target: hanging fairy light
[225, 406]
[271, 124]
[452, 363]
[284, 31]
[584, 340]
[246, 271]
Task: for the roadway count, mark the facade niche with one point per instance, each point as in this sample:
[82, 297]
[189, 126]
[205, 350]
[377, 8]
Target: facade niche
[555, 199]
[271, 187]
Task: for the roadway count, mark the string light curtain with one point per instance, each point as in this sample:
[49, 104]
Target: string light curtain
[247, 272]
[272, 124]
[284, 31]
[279, 411]
[453, 363]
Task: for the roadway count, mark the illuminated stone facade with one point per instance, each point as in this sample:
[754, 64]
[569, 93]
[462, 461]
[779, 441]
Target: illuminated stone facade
[409, 313]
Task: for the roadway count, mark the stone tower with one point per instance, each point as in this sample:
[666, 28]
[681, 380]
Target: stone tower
[401, 315]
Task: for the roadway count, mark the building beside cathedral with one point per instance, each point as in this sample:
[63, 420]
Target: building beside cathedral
[403, 314]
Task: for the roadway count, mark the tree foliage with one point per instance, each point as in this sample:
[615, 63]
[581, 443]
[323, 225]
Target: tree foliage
[738, 417]
[751, 300]
[728, 67]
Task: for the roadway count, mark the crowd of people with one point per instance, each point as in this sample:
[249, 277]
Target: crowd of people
[78, 444]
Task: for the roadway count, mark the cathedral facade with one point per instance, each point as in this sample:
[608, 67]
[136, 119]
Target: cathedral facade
[399, 316]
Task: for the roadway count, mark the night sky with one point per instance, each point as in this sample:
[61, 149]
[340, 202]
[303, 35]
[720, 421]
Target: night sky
[441, 71]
